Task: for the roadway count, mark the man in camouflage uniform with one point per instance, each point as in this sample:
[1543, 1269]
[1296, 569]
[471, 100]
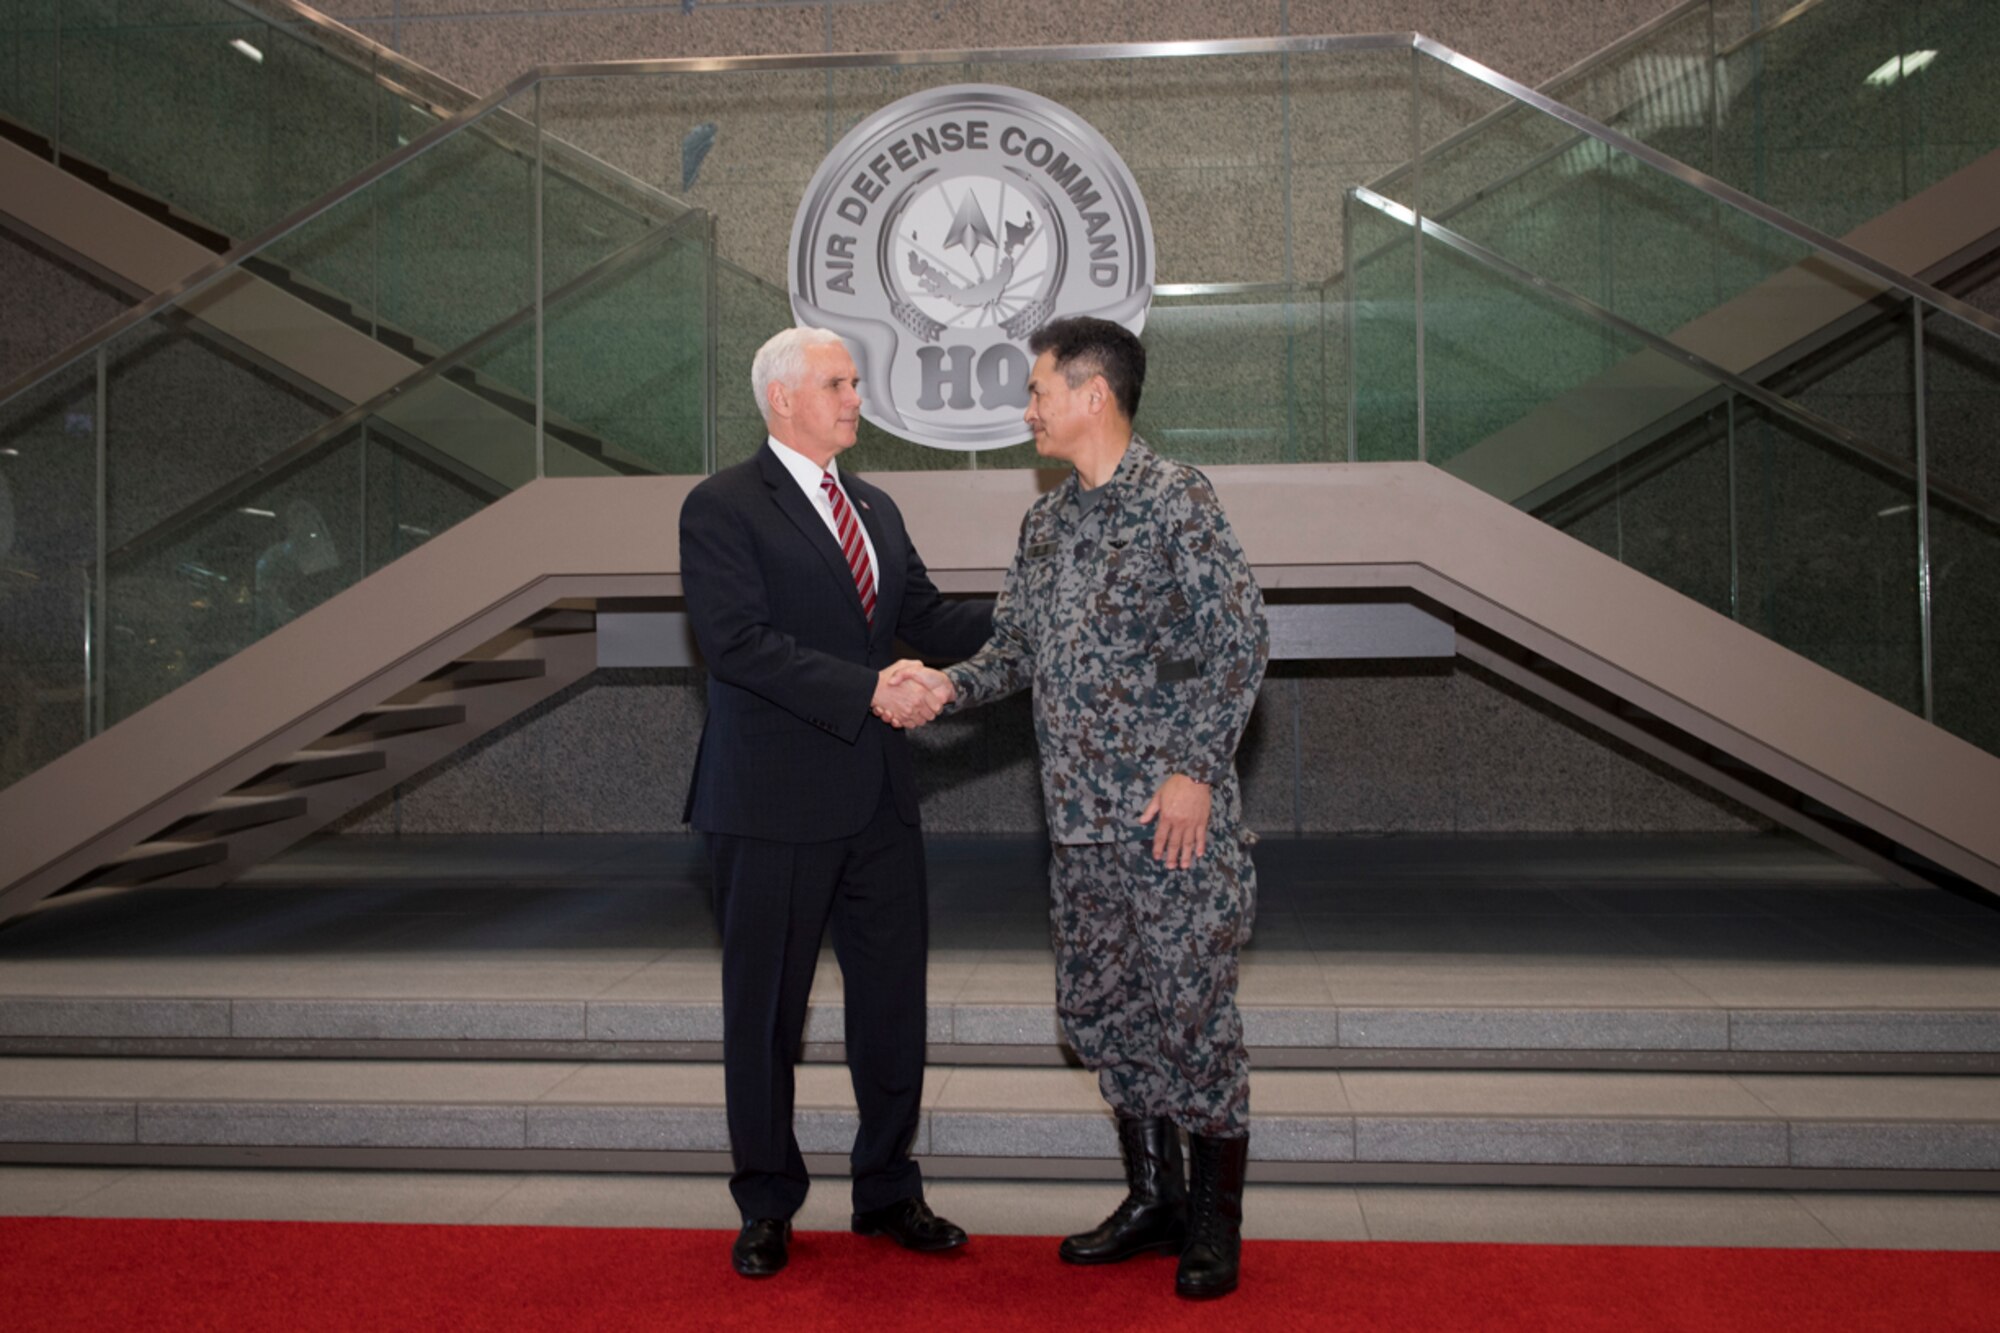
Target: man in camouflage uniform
[1131, 611]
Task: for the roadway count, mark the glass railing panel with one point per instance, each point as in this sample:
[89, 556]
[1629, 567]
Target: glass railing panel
[748, 310]
[48, 538]
[1954, 116]
[739, 144]
[626, 360]
[1831, 112]
[1384, 323]
[456, 235]
[28, 62]
[234, 118]
[1806, 131]
[1828, 548]
[1507, 369]
[1279, 136]
[1602, 224]
[1236, 373]
[1863, 377]
[186, 416]
[1663, 508]
[182, 601]
[461, 419]
[270, 544]
[1796, 514]
[582, 227]
[186, 412]
[1961, 403]
[1661, 89]
[412, 494]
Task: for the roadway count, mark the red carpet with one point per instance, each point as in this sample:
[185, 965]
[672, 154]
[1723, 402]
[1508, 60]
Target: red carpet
[62, 1273]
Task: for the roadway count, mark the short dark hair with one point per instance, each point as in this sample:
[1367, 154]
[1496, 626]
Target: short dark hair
[1084, 347]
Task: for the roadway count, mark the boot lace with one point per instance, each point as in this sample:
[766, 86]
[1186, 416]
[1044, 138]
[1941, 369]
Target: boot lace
[1205, 1202]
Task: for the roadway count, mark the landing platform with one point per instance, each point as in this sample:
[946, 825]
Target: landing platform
[1682, 953]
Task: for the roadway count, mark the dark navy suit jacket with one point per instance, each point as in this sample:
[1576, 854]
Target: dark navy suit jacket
[791, 751]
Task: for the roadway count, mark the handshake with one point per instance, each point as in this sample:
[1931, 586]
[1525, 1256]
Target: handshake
[909, 694]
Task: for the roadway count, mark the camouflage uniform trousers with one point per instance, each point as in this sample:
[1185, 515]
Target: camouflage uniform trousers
[1146, 965]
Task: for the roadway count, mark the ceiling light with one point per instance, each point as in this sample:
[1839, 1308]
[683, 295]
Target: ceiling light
[1899, 67]
[256, 513]
[244, 48]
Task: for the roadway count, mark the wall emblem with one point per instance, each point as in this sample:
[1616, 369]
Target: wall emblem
[945, 229]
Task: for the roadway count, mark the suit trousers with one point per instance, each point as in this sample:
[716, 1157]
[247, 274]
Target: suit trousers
[773, 904]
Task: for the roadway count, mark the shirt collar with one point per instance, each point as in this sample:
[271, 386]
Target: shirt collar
[1137, 455]
[802, 468]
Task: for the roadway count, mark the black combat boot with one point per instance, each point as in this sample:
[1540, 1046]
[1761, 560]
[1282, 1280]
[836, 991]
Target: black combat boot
[1215, 1217]
[1154, 1214]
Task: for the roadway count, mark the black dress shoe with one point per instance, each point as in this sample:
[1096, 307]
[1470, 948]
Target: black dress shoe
[760, 1247]
[911, 1224]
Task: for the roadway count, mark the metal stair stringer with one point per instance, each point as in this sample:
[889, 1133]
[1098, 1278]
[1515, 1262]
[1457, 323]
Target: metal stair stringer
[1759, 723]
[454, 624]
[1506, 578]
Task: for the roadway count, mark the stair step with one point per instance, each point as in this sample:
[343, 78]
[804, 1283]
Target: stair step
[562, 621]
[397, 719]
[308, 767]
[1305, 1124]
[1294, 1037]
[151, 860]
[493, 670]
[233, 814]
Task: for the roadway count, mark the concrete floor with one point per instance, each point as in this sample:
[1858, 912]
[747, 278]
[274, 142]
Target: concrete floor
[1690, 921]
[1686, 923]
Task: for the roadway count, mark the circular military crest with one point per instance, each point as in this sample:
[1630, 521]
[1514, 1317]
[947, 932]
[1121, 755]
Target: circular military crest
[945, 229]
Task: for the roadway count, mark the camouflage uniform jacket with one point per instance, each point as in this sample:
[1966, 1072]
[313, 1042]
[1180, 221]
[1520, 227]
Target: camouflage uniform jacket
[1139, 624]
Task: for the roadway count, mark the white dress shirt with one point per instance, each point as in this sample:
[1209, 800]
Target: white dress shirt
[807, 474]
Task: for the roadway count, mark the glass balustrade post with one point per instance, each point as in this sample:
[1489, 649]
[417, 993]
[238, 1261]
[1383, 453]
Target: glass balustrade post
[1735, 531]
[541, 303]
[1288, 447]
[1715, 102]
[711, 354]
[1350, 295]
[1417, 237]
[1923, 504]
[361, 505]
[100, 637]
[89, 646]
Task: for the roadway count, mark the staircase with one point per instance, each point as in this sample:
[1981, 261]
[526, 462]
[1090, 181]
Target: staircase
[555, 1044]
[1518, 1011]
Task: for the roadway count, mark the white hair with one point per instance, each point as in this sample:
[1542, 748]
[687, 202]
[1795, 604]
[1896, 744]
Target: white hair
[782, 360]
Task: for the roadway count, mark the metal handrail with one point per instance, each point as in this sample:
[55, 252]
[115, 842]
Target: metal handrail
[1794, 12]
[1721, 377]
[1727, 195]
[309, 444]
[1588, 65]
[1699, 181]
[439, 95]
[1593, 62]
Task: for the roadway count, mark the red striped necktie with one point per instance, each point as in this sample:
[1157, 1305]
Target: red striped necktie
[851, 545]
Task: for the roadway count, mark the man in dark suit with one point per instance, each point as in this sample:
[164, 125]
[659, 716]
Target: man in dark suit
[799, 581]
